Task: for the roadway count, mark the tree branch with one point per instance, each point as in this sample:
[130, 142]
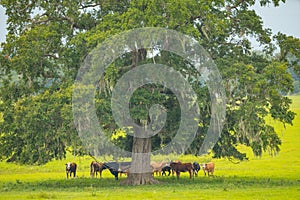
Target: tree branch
[234, 6]
[82, 6]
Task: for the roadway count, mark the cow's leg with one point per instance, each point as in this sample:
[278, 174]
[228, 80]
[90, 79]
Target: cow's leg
[74, 174]
[177, 174]
[116, 175]
[67, 175]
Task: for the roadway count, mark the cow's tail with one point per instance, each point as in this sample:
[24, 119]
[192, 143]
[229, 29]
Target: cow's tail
[92, 171]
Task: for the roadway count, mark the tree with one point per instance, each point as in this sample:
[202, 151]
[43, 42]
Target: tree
[45, 48]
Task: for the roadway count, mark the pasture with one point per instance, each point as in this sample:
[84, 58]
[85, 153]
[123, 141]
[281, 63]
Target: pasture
[259, 178]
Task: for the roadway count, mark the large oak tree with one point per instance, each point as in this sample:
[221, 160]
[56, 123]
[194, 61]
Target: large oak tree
[48, 40]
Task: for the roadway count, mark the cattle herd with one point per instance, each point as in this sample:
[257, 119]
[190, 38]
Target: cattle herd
[158, 168]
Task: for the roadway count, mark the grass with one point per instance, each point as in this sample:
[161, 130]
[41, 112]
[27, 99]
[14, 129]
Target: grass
[201, 187]
[259, 178]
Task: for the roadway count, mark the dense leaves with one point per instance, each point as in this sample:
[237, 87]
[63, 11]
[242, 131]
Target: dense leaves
[48, 40]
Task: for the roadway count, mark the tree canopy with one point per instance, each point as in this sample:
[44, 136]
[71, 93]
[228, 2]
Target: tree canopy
[47, 42]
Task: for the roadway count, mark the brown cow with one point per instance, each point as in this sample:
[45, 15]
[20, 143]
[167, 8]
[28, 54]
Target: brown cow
[95, 168]
[209, 168]
[182, 167]
[71, 168]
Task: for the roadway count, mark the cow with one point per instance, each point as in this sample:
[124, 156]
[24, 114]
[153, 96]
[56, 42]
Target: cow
[196, 168]
[208, 168]
[157, 167]
[165, 169]
[117, 167]
[182, 167]
[96, 167]
[124, 168]
[71, 168]
[124, 171]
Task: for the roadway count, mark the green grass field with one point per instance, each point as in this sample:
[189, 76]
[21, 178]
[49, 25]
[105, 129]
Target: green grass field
[259, 178]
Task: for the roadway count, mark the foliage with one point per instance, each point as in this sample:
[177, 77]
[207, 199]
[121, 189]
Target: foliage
[48, 114]
[47, 42]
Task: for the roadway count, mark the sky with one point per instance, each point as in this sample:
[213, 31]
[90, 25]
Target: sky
[284, 18]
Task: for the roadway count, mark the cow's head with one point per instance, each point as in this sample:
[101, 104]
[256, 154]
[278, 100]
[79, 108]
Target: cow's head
[196, 167]
[68, 166]
[203, 165]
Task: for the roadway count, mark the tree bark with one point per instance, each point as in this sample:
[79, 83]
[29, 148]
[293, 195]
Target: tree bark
[140, 171]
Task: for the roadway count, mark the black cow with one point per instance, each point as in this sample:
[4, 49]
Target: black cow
[71, 168]
[117, 167]
[196, 167]
[165, 169]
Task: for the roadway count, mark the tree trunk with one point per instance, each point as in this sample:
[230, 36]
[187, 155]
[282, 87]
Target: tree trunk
[140, 171]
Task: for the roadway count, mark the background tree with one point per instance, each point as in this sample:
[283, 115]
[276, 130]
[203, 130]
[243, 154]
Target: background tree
[47, 42]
